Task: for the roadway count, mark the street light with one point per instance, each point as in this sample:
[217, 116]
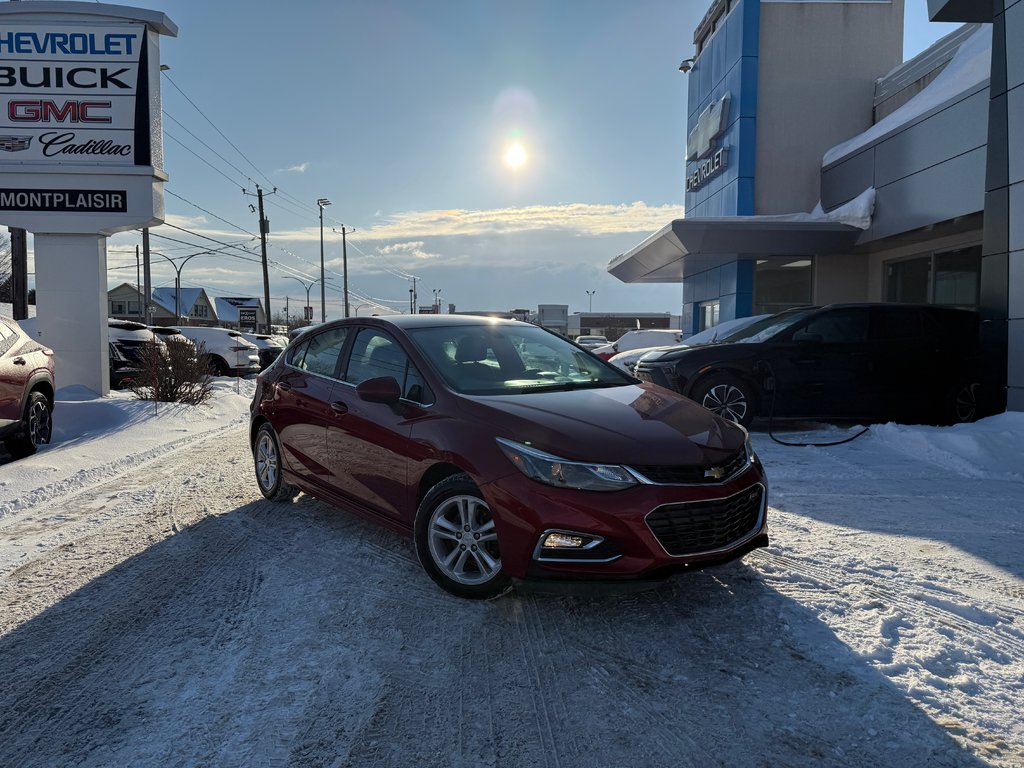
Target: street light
[177, 278]
[590, 300]
[437, 301]
[307, 286]
[321, 202]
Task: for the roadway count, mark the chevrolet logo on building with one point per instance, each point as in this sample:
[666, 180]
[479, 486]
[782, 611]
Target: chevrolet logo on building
[15, 143]
[711, 123]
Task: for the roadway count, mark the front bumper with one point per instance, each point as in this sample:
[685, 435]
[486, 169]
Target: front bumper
[526, 510]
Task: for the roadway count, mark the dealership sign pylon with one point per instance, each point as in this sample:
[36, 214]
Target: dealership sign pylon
[81, 157]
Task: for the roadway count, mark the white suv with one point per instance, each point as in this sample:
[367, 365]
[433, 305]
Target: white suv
[230, 353]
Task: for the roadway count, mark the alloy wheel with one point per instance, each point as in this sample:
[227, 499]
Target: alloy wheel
[463, 542]
[966, 403]
[266, 461]
[40, 424]
[727, 401]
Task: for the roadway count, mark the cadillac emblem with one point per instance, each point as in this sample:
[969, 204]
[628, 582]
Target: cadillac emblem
[15, 143]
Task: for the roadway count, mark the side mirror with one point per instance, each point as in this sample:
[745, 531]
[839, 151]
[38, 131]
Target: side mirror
[384, 389]
[806, 337]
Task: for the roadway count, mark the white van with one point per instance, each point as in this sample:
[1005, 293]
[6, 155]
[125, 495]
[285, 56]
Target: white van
[230, 353]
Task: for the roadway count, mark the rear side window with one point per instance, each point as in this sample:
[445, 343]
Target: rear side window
[896, 324]
[320, 353]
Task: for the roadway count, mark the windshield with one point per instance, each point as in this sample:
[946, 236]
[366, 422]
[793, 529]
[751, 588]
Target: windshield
[765, 329]
[511, 359]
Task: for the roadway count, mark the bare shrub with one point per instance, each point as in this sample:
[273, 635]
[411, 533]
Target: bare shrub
[175, 372]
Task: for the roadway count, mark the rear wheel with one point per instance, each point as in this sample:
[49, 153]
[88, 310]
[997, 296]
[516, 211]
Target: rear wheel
[963, 403]
[37, 427]
[219, 366]
[266, 453]
[456, 541]
[726, 396]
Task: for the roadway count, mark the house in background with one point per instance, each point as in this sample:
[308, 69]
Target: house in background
[195, 307]
[125, 303]
[243, 313]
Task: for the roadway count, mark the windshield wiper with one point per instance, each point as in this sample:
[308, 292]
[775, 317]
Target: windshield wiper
[569, 386]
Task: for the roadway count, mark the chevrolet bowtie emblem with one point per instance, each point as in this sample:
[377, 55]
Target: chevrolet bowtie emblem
[711, 123]
[716, 472]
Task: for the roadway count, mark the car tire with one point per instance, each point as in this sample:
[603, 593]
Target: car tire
[36, 430]
[219, 366]
[266, 455]
[962, 403]
[726, 396]
[456, 541]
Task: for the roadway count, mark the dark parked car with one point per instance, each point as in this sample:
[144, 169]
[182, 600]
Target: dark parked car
[123, 372]
[444, 427]
[26, 391]
[873, 362]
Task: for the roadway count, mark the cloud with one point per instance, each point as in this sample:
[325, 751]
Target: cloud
[580, 218]
[300, 168]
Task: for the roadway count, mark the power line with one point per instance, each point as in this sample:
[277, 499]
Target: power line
[218, 154]
[200, 157]
[218, 130]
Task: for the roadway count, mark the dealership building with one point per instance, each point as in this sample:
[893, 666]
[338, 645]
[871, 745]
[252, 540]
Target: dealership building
[822, 168]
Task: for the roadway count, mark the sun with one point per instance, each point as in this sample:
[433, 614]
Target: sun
[515, 156]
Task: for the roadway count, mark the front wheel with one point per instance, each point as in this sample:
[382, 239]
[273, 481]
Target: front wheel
[456, 541]
[37, 427]
[726, 396]
[266, 454]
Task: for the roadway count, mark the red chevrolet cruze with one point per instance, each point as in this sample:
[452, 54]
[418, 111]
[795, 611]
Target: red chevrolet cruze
[506, 451]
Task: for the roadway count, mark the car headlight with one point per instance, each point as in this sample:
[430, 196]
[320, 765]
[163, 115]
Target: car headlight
[748, 447]
[561, 473]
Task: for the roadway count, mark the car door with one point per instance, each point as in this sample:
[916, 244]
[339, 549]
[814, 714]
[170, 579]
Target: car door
[904, 364]
[301, 406]
[370, 444]
[821, 365]
[12, 377]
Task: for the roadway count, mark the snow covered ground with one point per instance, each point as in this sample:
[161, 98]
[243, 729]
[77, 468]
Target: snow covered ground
[155, 610]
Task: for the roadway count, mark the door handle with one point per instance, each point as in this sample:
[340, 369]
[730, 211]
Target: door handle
[339, 407]
[19, 361]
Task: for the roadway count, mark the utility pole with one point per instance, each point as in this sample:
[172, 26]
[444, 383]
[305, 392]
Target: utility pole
[19, 273]
[264, 230]
[415, 297]
[344, 262]
[323, 280]
[147, 278]
[138, 284]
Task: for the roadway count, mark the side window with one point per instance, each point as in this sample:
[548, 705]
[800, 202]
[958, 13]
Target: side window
[375, 354]
[296, 353]
[416, 388]
[896, 324]
[841, 326]
[321, 353]
[7, 337]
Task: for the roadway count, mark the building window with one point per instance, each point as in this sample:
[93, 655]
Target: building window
[200, 311]
[783, 282]
[709, 314]
[117, 308]
[950, 278]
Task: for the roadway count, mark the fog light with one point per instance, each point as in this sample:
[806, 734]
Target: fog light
[563, 541]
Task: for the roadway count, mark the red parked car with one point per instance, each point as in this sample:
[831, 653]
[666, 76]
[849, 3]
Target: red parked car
[26, 391]
[506, 451]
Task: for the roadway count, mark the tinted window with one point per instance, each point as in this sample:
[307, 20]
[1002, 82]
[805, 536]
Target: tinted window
[320, 354]
[375, 354]
[890, 324]
[841, 326]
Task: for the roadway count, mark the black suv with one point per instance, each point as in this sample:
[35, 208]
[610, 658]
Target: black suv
[870, 362]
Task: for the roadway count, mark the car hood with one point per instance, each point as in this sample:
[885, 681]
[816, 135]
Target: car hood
[633, 424]
[704, 353]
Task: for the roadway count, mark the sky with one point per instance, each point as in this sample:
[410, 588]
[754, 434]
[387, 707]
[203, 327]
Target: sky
[402, 115]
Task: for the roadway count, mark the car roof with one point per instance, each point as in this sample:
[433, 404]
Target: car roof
[434, 321]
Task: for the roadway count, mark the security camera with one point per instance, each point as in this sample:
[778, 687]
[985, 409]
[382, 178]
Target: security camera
[686, 66]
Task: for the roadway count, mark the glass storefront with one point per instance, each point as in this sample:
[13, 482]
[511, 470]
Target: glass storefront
[783, 282]
[951, 278]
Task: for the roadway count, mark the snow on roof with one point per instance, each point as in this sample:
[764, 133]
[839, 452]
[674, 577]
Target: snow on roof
[165, 298]
[969, 68]
[227, 306]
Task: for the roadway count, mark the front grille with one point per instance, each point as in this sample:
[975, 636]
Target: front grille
[706, 526]
[674, 474]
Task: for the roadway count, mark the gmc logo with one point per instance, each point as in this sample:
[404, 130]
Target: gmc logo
[44, 111]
